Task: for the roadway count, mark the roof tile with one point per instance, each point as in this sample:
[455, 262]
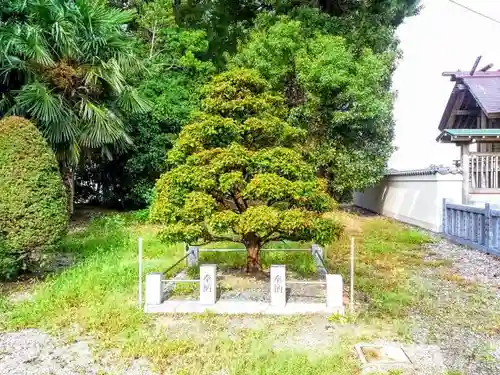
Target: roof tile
[486, 91]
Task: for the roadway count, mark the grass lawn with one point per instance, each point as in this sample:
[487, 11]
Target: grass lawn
[98, 297]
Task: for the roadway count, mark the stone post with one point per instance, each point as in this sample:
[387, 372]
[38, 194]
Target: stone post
[154, 289]
[334, 291]
[194, 256]
[278, 285]
[208, 286]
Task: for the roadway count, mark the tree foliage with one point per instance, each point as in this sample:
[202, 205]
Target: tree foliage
[64, 65]
[111, 83]
[236, 176]
[173, 72]
[369, 23]
[339, 95]
[32, 199]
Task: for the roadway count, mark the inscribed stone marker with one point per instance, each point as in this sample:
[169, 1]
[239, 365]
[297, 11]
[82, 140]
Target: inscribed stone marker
[278, 285]
[208, 288]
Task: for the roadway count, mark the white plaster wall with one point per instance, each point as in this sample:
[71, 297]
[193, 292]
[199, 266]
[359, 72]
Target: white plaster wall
[414, 200]
[481, 199]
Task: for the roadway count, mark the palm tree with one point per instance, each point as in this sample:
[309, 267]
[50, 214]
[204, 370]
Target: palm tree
[63, 64]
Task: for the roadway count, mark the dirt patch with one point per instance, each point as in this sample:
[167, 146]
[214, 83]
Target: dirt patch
[313, 334]
[19, 291]
[179, 327]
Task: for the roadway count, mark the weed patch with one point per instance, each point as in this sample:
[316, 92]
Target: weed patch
[385, 255]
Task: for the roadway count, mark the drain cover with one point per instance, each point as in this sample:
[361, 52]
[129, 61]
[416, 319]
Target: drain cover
[381, 354]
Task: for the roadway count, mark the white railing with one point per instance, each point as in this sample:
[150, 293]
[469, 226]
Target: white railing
[484, 170]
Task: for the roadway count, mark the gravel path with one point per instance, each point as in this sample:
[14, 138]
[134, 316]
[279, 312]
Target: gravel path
[460, 308]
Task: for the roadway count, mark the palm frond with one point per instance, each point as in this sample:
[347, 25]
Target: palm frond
[65, 65]
[100, 126]
[13, 68]
[130, 101]
[50, 112]
[34, 47]
[67, 152]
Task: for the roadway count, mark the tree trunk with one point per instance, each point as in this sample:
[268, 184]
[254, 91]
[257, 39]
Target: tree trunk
[253, 244]
[253, 259]
[152, 41]
[69, 184]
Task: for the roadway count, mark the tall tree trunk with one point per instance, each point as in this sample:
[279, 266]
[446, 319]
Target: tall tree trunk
[152, 41]
[253, 245]
[69, 183]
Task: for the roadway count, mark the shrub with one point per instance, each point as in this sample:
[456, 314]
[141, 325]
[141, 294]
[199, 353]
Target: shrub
[33, 215]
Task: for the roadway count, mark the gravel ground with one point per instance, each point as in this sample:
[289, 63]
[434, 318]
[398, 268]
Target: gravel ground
[32, 352]
[472, 265]
[460, 312]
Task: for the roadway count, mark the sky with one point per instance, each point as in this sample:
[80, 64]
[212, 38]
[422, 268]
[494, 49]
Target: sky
[443, 37]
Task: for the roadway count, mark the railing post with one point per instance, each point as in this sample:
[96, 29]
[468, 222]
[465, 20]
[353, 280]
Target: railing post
[318, 256]
[335, 293]
[445, 217]
[208, 284]
[465, 173]
[488, 230]
[139, 291]
[468, 225]
[193, 256]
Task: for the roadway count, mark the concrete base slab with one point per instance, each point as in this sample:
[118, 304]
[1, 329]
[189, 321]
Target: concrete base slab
[167, 306]
[304, 308]
[242, 307]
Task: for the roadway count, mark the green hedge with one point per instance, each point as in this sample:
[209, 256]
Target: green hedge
[33, 214]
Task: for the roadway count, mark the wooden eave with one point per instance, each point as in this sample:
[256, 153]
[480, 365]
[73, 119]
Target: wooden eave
[469, 135]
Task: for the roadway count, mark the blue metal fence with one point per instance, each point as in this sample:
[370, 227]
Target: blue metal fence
[473, 226]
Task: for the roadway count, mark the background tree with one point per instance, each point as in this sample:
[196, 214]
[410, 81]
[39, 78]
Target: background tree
[33, 215]
[174, 69]
[236, 177]
[176, 42]
[370, 23]
[339, 95]
[64, 65]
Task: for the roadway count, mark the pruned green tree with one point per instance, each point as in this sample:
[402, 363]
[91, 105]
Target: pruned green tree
[235, 175]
